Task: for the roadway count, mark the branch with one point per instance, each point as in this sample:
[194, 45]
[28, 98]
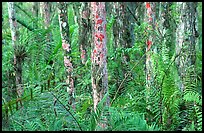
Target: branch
[30, 16]
[126, 75]
[23, 10]
[67, 110]
[138, 23]
[24, 24]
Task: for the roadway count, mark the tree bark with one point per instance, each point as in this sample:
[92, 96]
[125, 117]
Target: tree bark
[83, 15]
[35, 12]
[150, 19]
[48, 50]
[99, 73]
[64, 29]
[84, 29]
[47, 22]
[17, 58]
[99, 52]
[186, 40]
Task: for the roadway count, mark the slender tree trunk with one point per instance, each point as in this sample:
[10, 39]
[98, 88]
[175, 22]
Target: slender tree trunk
[127, 40]
[123, 27]
[84, 29]
[116, 25]
[46, 14]
[76, 8]
[64, 29]
[35, 13]
[83, 15]
[99, 51]
[180, 40]
[41, 9]
[17, 58]
[150, 19]
[122, 35]
[49, 40]
[139, 12]
[98, 54]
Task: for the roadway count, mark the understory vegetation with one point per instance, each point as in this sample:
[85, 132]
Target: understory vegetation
[44, 101]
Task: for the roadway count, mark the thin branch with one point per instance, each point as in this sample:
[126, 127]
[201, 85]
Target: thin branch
[23, 10]
[30, 16]
[126, 75]
[138, 23]
[67, 110]
[24, 24]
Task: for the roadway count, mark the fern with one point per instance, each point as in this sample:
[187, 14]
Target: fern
[193, 97]
[199, 118]
[110, 23]
[96, 116]
[193, 100]
[165, 98]
[132, 121]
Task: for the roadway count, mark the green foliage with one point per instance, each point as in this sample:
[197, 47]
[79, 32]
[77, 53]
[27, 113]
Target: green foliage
[122, 120]
[168, 107]
[193, 100]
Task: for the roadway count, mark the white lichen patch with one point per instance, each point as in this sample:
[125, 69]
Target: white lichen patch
[64, 24]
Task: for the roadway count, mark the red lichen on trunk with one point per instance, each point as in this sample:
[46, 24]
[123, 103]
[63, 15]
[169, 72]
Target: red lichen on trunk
[147, 5]
[99, 52]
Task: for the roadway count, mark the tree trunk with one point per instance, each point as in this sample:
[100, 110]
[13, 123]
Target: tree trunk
[41, 10]
[84, 29]
[139, 12]
[64, 29]
[116, 26]
[49, 40]
[83, 21]
[123, 27]
[150, 19]
[17, 58]
[37, 38]
[186, 41]
[47, 22]
[98, 54]
[35, 13]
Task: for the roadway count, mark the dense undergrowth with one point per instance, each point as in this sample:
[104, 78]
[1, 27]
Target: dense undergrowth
[47, 109]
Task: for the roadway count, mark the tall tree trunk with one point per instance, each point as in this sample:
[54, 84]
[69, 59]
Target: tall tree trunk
[37, 39]
[84, 29]
[150, 19]
[127, 27]
[35, 13]
[123, 27]
[17, 59]
[64, 29]
[116, 25]
[41, 10]
[47, 22]
[83, 20]
[186, 40]
[76, 8]
[98, 54]
[123, 35]
[49, 40]
[139, 12]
